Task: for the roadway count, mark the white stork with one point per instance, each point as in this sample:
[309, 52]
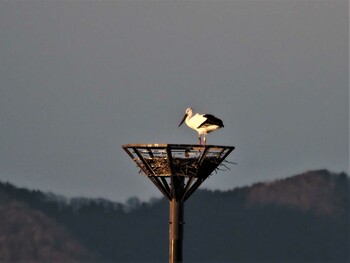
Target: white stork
[202, 123]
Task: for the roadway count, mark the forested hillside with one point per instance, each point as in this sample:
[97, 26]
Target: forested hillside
[29, 234]
[303, 218]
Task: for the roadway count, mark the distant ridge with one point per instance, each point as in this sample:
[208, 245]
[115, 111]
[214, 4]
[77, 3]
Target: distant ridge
[301, 218]
[320, 191]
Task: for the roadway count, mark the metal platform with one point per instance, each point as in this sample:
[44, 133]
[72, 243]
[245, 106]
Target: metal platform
[177, 169]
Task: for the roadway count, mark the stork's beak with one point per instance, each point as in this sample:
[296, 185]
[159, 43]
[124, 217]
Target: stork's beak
[183, 120]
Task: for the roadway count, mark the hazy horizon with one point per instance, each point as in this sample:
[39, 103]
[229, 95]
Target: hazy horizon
[79, 79]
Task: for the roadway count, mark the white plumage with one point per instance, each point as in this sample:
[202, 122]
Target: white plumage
[202, 123]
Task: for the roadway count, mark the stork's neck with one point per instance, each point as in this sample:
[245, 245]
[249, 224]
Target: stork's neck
[190, 123]
[189, 116]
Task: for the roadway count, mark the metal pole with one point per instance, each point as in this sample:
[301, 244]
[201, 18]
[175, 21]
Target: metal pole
[175, 231]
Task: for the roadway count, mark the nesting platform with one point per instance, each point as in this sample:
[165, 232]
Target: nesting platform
[177, 169]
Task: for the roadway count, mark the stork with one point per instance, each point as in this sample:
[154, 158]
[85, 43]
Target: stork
[202, 123]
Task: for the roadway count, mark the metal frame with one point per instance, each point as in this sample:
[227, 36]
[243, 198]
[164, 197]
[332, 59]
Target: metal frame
[196, 164]
[177, 170]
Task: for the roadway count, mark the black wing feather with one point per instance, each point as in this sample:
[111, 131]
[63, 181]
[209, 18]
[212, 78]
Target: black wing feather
[211, 120]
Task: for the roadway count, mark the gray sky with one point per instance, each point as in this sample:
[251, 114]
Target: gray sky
[80, 78]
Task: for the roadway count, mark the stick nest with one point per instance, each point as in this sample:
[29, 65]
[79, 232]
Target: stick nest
[160, 166]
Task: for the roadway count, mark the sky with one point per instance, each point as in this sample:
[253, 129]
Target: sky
[78, 79]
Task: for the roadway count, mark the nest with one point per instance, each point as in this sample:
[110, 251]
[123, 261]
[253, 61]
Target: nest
[160, 166]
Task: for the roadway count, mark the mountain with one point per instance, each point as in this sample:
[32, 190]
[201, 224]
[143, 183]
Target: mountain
[301, 218]
[29, 234]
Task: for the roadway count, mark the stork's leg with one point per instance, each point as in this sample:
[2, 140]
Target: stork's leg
[205, 140]
[199, 140]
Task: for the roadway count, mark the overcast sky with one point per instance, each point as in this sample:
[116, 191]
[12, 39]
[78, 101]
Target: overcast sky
[80, 78]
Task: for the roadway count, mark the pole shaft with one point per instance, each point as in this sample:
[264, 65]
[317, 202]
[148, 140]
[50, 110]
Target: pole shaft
[175, 231]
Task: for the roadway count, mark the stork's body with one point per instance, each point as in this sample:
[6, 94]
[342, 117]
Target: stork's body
[202, 123]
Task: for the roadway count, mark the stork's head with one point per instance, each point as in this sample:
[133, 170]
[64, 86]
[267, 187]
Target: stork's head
[189, 112]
